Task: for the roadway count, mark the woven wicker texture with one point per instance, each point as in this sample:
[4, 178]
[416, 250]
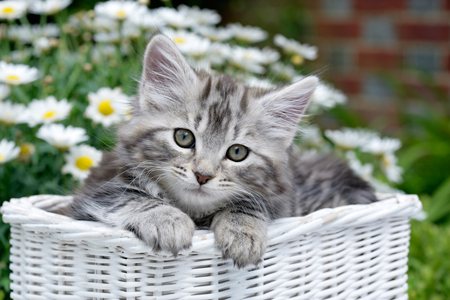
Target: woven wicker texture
[350, 252]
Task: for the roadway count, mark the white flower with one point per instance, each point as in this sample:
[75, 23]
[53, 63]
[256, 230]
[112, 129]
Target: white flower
[47, 111]
[264, 83]
[11, 113]
[327, 97]
[248, 34]
[287, 72]
[384, 188]
[365, 171]
[148, 20]
[5, 90]
[18, 56]
[80, 160]
[219, 34]
[8, 151]
[218, 53]
[102, 52]
[380, 146]
[119, 10]
[293, 47]
[349, 138]
[48, 7]
[174, 18]
[105, 24]
[17, 74]
[41, 45]
[201, 16]
[27, 34]
[62, 137]
[250, 59]
[189, 43]
[107, 106]
[112, 37]
[390, 168]
[12, 9]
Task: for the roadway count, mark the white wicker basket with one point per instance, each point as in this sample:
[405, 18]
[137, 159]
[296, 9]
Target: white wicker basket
[350, 252]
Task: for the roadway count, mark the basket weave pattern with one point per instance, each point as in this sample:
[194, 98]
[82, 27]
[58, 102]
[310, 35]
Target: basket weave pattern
[350, 252]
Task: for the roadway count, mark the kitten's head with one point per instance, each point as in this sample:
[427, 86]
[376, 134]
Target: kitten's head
[208, 139]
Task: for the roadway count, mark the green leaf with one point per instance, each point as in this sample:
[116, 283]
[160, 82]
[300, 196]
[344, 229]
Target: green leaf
[441, 202]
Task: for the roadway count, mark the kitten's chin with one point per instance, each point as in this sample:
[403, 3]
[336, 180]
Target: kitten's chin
[199, 201]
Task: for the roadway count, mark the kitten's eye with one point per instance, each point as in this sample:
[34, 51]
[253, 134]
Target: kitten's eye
[237, 152]
[184, 138]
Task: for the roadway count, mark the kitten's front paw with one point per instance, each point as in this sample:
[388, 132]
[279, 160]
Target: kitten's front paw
[244, 245]
[167, 228]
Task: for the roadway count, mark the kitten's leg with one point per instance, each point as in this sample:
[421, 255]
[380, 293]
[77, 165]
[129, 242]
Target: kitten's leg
[241, 233]
[154, 221]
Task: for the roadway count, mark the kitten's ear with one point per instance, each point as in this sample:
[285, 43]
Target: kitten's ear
[285, 107]
[166, 76]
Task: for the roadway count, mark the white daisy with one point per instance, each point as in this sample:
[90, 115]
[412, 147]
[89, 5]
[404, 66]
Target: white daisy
[27, 34]
[112, 37]
[365, 171]
[189, 43]
[201, 16]
[13, 74]
[107, 106]
[62, 137]
[380, 146]
[119, 10]
[214, 34]
[19, 56]
[150, 21]
[248, 34]
[102, 52]
[327, 97]
[48, 7]
[250, 59]
[292, 47]
[390, 168]
[11, 113]
[105, 24]
[41, 45]
[80, 160]
[8, 151]
[13, 9]
[5, 90]
[218, 53]
[174, 18]
[349, 138]
[286, 72]
[47, 111]
[264, 83]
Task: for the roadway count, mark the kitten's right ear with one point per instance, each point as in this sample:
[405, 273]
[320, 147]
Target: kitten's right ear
[166, 76]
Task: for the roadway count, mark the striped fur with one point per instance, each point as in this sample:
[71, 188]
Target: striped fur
[147, 184]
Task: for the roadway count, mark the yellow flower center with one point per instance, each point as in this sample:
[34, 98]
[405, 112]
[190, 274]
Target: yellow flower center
[105, 108]
[12, 78]
[179, 40]
[8, 10]
[49, 114]
[84, 163]
[121, 14]
[26, 151]
[297, 60]
[2, 158]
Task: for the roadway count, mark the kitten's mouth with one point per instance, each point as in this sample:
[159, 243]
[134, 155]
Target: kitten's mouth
[198, 191]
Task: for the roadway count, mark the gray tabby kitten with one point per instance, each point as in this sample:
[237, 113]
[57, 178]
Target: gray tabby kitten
[206, 151]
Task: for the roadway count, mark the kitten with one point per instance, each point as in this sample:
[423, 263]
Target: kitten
[206, 151]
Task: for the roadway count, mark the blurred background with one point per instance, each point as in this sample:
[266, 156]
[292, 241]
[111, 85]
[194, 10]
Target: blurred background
[392, 59]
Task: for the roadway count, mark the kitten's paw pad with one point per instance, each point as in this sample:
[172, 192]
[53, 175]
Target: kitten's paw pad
[167, 228]
[244, 248]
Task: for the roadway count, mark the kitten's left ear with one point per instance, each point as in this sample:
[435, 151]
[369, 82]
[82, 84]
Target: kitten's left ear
[166, 76]
[286, 106]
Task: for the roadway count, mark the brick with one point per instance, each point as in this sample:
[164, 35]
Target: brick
[340, 29]
[349, 84]
[379, 5]
[423, 31]
[379, 59]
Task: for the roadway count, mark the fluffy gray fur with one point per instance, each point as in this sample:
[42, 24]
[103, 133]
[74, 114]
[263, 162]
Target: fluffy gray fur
[147, 184]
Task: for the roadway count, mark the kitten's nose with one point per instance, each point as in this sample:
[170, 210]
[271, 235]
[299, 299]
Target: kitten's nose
[202, 179]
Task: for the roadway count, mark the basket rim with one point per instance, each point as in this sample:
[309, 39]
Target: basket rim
[30, 213]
